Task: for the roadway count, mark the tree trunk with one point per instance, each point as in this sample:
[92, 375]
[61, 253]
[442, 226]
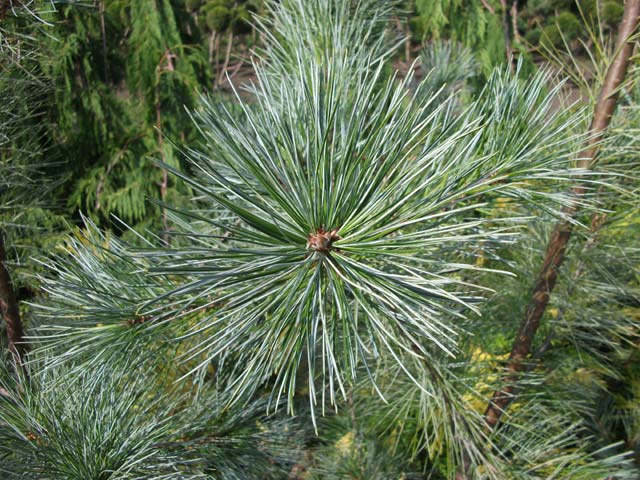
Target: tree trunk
[4, 8]
[507, 34]
[558, 242]
[10, 310]
[407, 42]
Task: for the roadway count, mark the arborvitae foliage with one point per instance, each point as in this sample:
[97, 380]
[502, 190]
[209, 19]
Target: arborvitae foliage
[118, 77]
[121, 77]
[554, 24]
[469, 23]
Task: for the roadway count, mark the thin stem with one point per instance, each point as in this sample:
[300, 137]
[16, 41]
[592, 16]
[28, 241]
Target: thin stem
[165, 178]
[103, 34]
[227, 57]
[488, 6]
[168, 58]
[212, 50]
[514, 21]
[216, 74]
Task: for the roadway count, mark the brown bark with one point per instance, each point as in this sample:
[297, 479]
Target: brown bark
[216, 48]
[403, 29]
[559, 240]
[514, 21]
[9, 309]
[4, 8]
[488, 6]
[507, 34]
[407, 43]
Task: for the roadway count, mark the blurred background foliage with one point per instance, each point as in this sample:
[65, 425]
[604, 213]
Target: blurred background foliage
[111, 81]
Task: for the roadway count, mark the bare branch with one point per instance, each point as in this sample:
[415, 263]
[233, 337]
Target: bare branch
[488, 7]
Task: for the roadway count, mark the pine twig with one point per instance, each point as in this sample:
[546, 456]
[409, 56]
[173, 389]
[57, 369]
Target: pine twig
[234, 71]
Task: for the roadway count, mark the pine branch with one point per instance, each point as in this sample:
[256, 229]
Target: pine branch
[561, 235]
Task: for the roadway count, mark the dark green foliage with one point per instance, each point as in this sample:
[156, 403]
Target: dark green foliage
[116, 78]
[544, 23]
[565, 28]
[533, 36]
[224, 14]
[467, 22]
[193, 5]
[612, 13]
[607, 12]
[104, 102]
[242, 19]
[218, 18]
[29, 166]
[540, 7]
[568, 24]
[416, 25]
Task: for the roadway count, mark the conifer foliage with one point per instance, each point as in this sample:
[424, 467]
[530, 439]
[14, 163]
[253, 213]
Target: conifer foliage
[358, 251]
